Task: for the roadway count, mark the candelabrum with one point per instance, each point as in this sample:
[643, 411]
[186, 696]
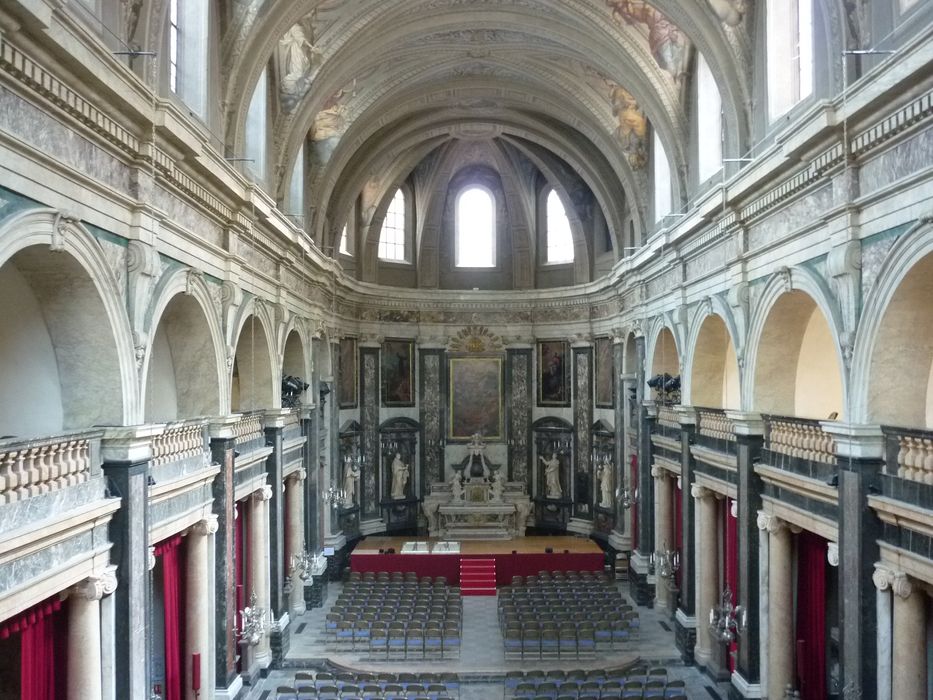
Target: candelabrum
[665, 562]
[728, 620]
[252, 622]
[301, 564]
[333, 496]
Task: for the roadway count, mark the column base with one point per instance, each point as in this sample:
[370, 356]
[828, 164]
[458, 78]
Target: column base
[741, 688]
[685, 635]
[232, 691]
[279, 643]
[716, 666]
[640, 587]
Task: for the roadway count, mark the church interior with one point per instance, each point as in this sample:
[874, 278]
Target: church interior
[425, 349]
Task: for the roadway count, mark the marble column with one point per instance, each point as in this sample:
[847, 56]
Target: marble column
[883, 578]
[707, 569]
[780, 608]
[664, 534]
[764, 541]
[294, 537]
[259, 565]
[909, 648]
[83, 645]
[198, 605]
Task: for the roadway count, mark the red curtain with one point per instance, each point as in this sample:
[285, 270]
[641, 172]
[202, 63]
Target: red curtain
[731, 565]
[633, 485]
[173, 573]
[42, 649]
[811, 616]
[678, 528]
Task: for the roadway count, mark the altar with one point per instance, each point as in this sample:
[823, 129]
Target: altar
[476, 502]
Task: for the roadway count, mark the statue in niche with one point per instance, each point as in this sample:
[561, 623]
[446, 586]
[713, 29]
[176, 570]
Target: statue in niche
[477, 464]
[399, 477]
[552, 476]
[351, 476]
[496, 487]
[604, 474]
[456, 486]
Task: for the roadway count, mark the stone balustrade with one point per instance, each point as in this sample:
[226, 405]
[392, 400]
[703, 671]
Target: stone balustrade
[915, 457]
[249, 427]
[801, 438]
[667, 416]
[33, 467]
[713, 423]
[179, 441]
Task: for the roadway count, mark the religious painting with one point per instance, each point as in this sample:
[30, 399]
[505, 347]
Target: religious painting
[349, 374]
[605, 377]
[397, 364]
[475, 397]
[553, 373]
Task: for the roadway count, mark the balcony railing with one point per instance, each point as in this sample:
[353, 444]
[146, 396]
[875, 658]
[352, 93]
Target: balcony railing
[800, 438]
[249, 432]
[181, 440]
[667, 416]
[33, 467]
[913, 460]
[713, 423]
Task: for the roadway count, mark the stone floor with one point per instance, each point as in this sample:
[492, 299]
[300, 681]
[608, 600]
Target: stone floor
[482, 664]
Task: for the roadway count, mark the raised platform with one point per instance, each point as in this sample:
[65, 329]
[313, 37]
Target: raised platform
[520, 556]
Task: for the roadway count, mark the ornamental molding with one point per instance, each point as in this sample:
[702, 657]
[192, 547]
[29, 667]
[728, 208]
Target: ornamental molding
[475, 339]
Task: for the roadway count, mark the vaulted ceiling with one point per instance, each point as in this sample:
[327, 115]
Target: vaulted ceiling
[372, 87]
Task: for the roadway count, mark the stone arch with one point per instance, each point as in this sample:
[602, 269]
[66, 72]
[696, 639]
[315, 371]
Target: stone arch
[68, 333]
[712, 371]
[254, 374]
[630, 354]
[296, 356]
[662, 352]
[894, 343]
[793, 357]
[184, 370]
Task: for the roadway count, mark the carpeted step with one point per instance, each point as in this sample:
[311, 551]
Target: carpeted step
[477, 577]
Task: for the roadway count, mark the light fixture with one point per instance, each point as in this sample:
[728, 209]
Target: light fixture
[333, 496]
[301, 564]
[665, 562]
[627, 497]
[292, 389]
[252, 622]
[727, 621]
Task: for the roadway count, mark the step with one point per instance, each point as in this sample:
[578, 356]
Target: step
[477, 577]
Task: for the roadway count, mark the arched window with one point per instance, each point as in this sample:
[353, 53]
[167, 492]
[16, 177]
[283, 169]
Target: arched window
[343, 248]
[475, 228]
[662, 179]
[392, 236]
[187, 52]
[789, 54]
[709, 122]
[296, 189]
[559, 240]
[256, 130]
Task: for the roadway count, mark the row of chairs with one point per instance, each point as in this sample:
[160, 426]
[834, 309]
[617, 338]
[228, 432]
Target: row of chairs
[433, 640]
[602, 685]
[567, 640]
[371, 686]
[394, 576]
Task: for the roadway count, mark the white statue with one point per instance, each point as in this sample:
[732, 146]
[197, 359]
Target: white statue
[399, 477]
[351, 476]
[456, 486]
[604, 474]
[496, 487]
[552, 476]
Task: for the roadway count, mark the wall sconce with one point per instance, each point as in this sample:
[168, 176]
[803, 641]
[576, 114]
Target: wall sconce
[333, 496]
[252, 622]
[301, 564]
[727, 621]
[627, 497]
[665, 562]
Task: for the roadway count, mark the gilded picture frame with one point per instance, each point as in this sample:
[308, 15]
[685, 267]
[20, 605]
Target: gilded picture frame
[475, 397]
[553, 373]
[397, 366]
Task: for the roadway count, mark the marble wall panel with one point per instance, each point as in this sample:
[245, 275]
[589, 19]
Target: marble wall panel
[582, 423]
[431, 415]
[907, 157]
[519, 388]
[369, 424]
[786, 220]
[44, 132]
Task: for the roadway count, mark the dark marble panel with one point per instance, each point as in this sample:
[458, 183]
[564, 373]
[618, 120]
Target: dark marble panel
[582, 425]
[369, 425]
[640, 590]
[431, 414]
[804, 467]
[727, 475]
[518, 387]
[685, 638]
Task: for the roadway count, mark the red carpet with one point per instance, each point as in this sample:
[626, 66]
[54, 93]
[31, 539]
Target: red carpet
[477, 577]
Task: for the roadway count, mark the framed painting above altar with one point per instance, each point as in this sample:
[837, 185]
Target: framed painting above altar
[475, 397]
[605, 376]
[553, 373]
[347, 384]
[398, 361]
